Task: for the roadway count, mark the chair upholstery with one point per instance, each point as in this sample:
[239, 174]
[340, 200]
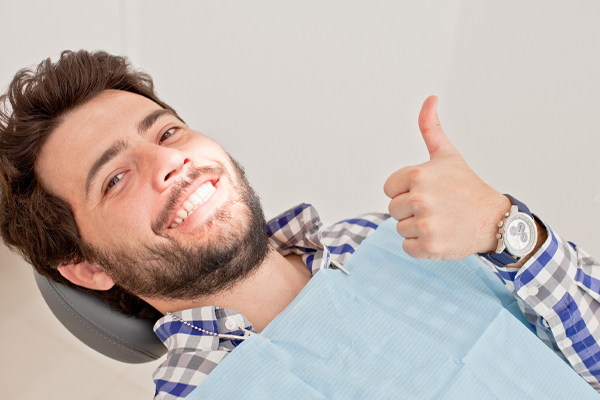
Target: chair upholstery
[126, 339]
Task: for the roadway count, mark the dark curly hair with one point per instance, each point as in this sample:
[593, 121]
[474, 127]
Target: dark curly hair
[34, 222]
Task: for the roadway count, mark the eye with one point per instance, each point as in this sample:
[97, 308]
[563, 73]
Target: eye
[113, 181]
[168, 133]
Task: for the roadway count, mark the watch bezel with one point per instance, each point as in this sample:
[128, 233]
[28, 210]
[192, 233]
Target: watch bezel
[532, 239]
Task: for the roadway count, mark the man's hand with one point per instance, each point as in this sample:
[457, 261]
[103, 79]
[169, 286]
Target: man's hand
[444, 210]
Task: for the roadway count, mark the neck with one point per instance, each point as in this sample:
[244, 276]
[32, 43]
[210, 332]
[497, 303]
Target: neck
[260, 297]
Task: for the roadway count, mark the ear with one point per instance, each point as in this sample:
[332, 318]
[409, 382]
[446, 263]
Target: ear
[87, 275]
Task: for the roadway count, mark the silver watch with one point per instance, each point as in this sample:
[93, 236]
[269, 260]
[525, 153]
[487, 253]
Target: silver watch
[517, 233]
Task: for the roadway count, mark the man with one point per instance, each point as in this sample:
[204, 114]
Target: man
[106, 189]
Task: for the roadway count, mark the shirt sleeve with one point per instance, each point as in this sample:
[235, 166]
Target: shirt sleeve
[558, 290]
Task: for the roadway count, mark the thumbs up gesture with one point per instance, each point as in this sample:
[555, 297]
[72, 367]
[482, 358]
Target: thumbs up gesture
[444, 210]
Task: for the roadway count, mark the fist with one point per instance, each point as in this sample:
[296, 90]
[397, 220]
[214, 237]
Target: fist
[444, 210]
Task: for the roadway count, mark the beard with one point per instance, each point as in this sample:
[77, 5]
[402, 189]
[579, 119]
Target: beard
[182, 271]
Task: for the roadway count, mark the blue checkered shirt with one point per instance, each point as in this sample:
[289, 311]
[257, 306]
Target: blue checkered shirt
[564, 307]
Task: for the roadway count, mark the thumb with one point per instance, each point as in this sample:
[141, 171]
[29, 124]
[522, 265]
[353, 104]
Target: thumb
[436, 140]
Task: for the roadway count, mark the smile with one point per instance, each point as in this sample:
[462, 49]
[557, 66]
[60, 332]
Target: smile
[196, 199]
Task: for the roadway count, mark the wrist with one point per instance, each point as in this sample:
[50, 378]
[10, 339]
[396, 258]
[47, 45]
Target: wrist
[519, 236]
[499, 206]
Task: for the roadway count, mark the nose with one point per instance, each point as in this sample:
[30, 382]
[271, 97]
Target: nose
[165, 165]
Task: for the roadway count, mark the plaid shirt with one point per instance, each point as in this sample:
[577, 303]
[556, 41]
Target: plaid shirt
[558, 290]
[564, 306]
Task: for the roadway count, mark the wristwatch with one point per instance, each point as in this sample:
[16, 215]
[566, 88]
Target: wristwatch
[517, 235]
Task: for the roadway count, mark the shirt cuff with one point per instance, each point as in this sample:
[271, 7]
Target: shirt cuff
[548, 276]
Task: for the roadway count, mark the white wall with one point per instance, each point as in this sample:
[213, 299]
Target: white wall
[319, 100]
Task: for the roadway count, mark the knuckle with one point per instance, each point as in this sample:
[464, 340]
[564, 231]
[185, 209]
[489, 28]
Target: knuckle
[414, 175]
[426, 225]
[419, 201]
[423, 225]
[429, 246]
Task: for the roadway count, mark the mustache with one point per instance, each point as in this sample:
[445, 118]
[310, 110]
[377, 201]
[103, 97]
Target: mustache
[177, 191]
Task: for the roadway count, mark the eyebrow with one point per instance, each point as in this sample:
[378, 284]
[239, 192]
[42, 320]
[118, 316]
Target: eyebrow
[151, 118]
[106, 156]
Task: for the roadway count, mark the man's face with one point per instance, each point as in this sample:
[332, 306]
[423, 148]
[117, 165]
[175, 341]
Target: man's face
[166, 211]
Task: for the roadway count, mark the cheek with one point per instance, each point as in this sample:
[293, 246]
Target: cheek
[118, 224]
[208, 148]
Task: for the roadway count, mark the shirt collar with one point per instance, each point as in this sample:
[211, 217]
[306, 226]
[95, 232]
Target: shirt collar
[200, 328]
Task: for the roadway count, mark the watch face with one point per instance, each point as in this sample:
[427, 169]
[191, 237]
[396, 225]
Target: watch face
[520, 234]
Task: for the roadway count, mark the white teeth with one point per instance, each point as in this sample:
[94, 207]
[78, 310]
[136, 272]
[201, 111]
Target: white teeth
[195, 200]
[182, 214]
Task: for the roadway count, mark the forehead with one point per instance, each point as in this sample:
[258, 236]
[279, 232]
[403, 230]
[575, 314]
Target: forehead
[83, 134]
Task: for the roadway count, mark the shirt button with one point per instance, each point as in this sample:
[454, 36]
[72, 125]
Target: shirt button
[545, 322]
[533, 291]
[567, 342]
[231, 325]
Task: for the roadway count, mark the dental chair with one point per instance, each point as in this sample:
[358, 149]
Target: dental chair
[88, 318]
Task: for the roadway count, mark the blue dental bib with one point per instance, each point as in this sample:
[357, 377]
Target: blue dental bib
[397, 328]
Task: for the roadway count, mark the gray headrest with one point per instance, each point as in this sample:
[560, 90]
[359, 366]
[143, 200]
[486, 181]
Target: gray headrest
[127, 339]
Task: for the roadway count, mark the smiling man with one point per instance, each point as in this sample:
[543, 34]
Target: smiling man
[106, 189]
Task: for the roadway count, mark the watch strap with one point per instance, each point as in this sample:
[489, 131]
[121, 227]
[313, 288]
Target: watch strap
[500, 259]
[522, 207]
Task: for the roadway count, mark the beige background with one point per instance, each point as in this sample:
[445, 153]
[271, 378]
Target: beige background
[319, 100]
